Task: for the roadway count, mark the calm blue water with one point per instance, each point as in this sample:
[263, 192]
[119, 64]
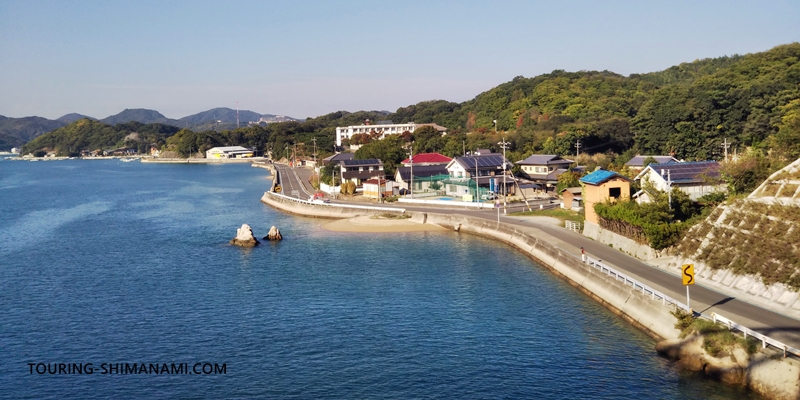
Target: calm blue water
[111, 262]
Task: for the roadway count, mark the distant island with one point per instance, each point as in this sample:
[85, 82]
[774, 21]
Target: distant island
[15, 132]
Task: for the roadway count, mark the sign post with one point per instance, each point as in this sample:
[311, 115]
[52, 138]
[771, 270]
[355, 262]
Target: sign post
[497, 206]
[688, 279]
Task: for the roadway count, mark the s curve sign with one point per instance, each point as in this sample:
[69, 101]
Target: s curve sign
[688, 274]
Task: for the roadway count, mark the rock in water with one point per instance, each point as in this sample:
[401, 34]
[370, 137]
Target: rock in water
[244, 237]
[274, 234]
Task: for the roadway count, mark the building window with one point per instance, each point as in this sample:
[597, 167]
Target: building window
[614, 192]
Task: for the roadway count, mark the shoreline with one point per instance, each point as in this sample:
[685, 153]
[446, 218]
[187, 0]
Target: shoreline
[369, 224]
[770, 377]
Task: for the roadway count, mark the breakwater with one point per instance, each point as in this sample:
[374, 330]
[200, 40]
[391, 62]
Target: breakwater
[771, 377]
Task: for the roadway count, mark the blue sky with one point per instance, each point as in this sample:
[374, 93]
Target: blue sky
[308, 58]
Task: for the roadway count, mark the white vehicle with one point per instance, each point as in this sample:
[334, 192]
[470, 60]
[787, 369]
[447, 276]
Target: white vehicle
[489, 196]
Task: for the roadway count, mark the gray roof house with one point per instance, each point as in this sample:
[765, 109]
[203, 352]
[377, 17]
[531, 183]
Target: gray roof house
[637, 163]
[544, 168]
[361, 170]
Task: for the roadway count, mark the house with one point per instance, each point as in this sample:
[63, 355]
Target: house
[544, 169]
[337, 159]
[481, 173]
[429, 169]
[424, 176]
[428, 159]
[375, 188]
[636, 164]
[696, 179]
[381, 129]
[361, 170]
[601, 186]
[572, 198]
[229, 152]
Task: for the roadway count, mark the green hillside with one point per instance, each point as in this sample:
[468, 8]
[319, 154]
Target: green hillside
[87, 134]
[687, 110]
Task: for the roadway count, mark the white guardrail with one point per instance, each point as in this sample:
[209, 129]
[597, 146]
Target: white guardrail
[320, 203]
[655, 294]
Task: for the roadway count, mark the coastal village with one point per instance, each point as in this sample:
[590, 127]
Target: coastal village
[624, 216]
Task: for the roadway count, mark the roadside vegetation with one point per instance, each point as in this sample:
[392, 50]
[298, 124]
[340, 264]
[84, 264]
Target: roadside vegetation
[718, 340]
[560, 213]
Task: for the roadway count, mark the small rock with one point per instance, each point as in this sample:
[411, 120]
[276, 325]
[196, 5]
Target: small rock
[244, 237]
[274, 234]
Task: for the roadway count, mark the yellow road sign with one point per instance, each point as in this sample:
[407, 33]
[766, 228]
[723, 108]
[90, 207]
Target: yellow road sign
[688, 274]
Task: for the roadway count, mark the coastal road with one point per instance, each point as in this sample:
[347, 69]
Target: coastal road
[291, 184]
[703, 299]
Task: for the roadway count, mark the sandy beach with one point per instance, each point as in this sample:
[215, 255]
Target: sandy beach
[368, 224]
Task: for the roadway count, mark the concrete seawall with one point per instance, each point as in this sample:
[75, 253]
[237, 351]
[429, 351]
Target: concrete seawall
[775, 378]
[636, 308]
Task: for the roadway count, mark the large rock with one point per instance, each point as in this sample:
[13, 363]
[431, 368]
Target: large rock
[274, 234]
[244, 237]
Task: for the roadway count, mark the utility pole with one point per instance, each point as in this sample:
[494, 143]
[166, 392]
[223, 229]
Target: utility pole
[295, 155]
[725, 146]
[577, 147]
[504, 145]
[315, 151]
[669, 187]
[475, 157]
[411, 174]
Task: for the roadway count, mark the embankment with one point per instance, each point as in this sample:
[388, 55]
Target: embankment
[631, 305]
[774, 378]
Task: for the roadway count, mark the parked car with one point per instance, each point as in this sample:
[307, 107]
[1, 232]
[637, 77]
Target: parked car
[489, 196]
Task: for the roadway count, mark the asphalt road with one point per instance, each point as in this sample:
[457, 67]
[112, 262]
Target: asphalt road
[703, 299]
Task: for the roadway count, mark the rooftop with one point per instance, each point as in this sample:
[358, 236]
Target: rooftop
[428, 158]
[544, 159]
[695, 171]
[600, 176]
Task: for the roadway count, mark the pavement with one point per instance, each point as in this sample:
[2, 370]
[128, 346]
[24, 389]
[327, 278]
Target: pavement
[703, 299]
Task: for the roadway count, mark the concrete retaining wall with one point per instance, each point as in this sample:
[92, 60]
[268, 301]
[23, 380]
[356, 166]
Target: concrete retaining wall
[619, 242]
[636, 308]
[776, 297]
[774, 378]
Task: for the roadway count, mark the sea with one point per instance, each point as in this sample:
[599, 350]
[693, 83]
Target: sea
[117, 281]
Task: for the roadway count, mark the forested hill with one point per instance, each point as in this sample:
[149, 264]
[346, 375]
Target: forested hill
[687, 110]
[88, 134]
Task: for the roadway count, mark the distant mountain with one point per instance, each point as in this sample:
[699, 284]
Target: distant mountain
[139, 115]
[221, 115]
[14, 132]
[72, 117]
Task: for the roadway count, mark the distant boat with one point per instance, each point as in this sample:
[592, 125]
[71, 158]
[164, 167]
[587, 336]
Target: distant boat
[128, 159]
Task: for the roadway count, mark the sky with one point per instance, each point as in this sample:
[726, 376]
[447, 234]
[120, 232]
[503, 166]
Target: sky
[309, 58]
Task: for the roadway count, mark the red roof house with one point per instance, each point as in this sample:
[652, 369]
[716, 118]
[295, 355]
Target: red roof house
[427, 159]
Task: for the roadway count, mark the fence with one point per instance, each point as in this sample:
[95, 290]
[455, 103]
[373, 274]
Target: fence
[350, 206]
[665, 300]
[573, 226]
[654, 294]
[765, 340]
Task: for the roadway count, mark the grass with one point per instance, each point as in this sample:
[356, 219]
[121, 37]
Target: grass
[560, 213]
[718, 341]
[390, 216]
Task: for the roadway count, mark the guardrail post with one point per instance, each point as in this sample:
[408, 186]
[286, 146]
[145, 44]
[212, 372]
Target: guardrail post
[714, 317]
[763, 343]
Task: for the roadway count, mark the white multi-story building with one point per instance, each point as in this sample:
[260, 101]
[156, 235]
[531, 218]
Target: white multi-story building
[382, 127]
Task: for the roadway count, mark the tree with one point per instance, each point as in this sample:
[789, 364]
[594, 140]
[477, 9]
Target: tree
[567, 179]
